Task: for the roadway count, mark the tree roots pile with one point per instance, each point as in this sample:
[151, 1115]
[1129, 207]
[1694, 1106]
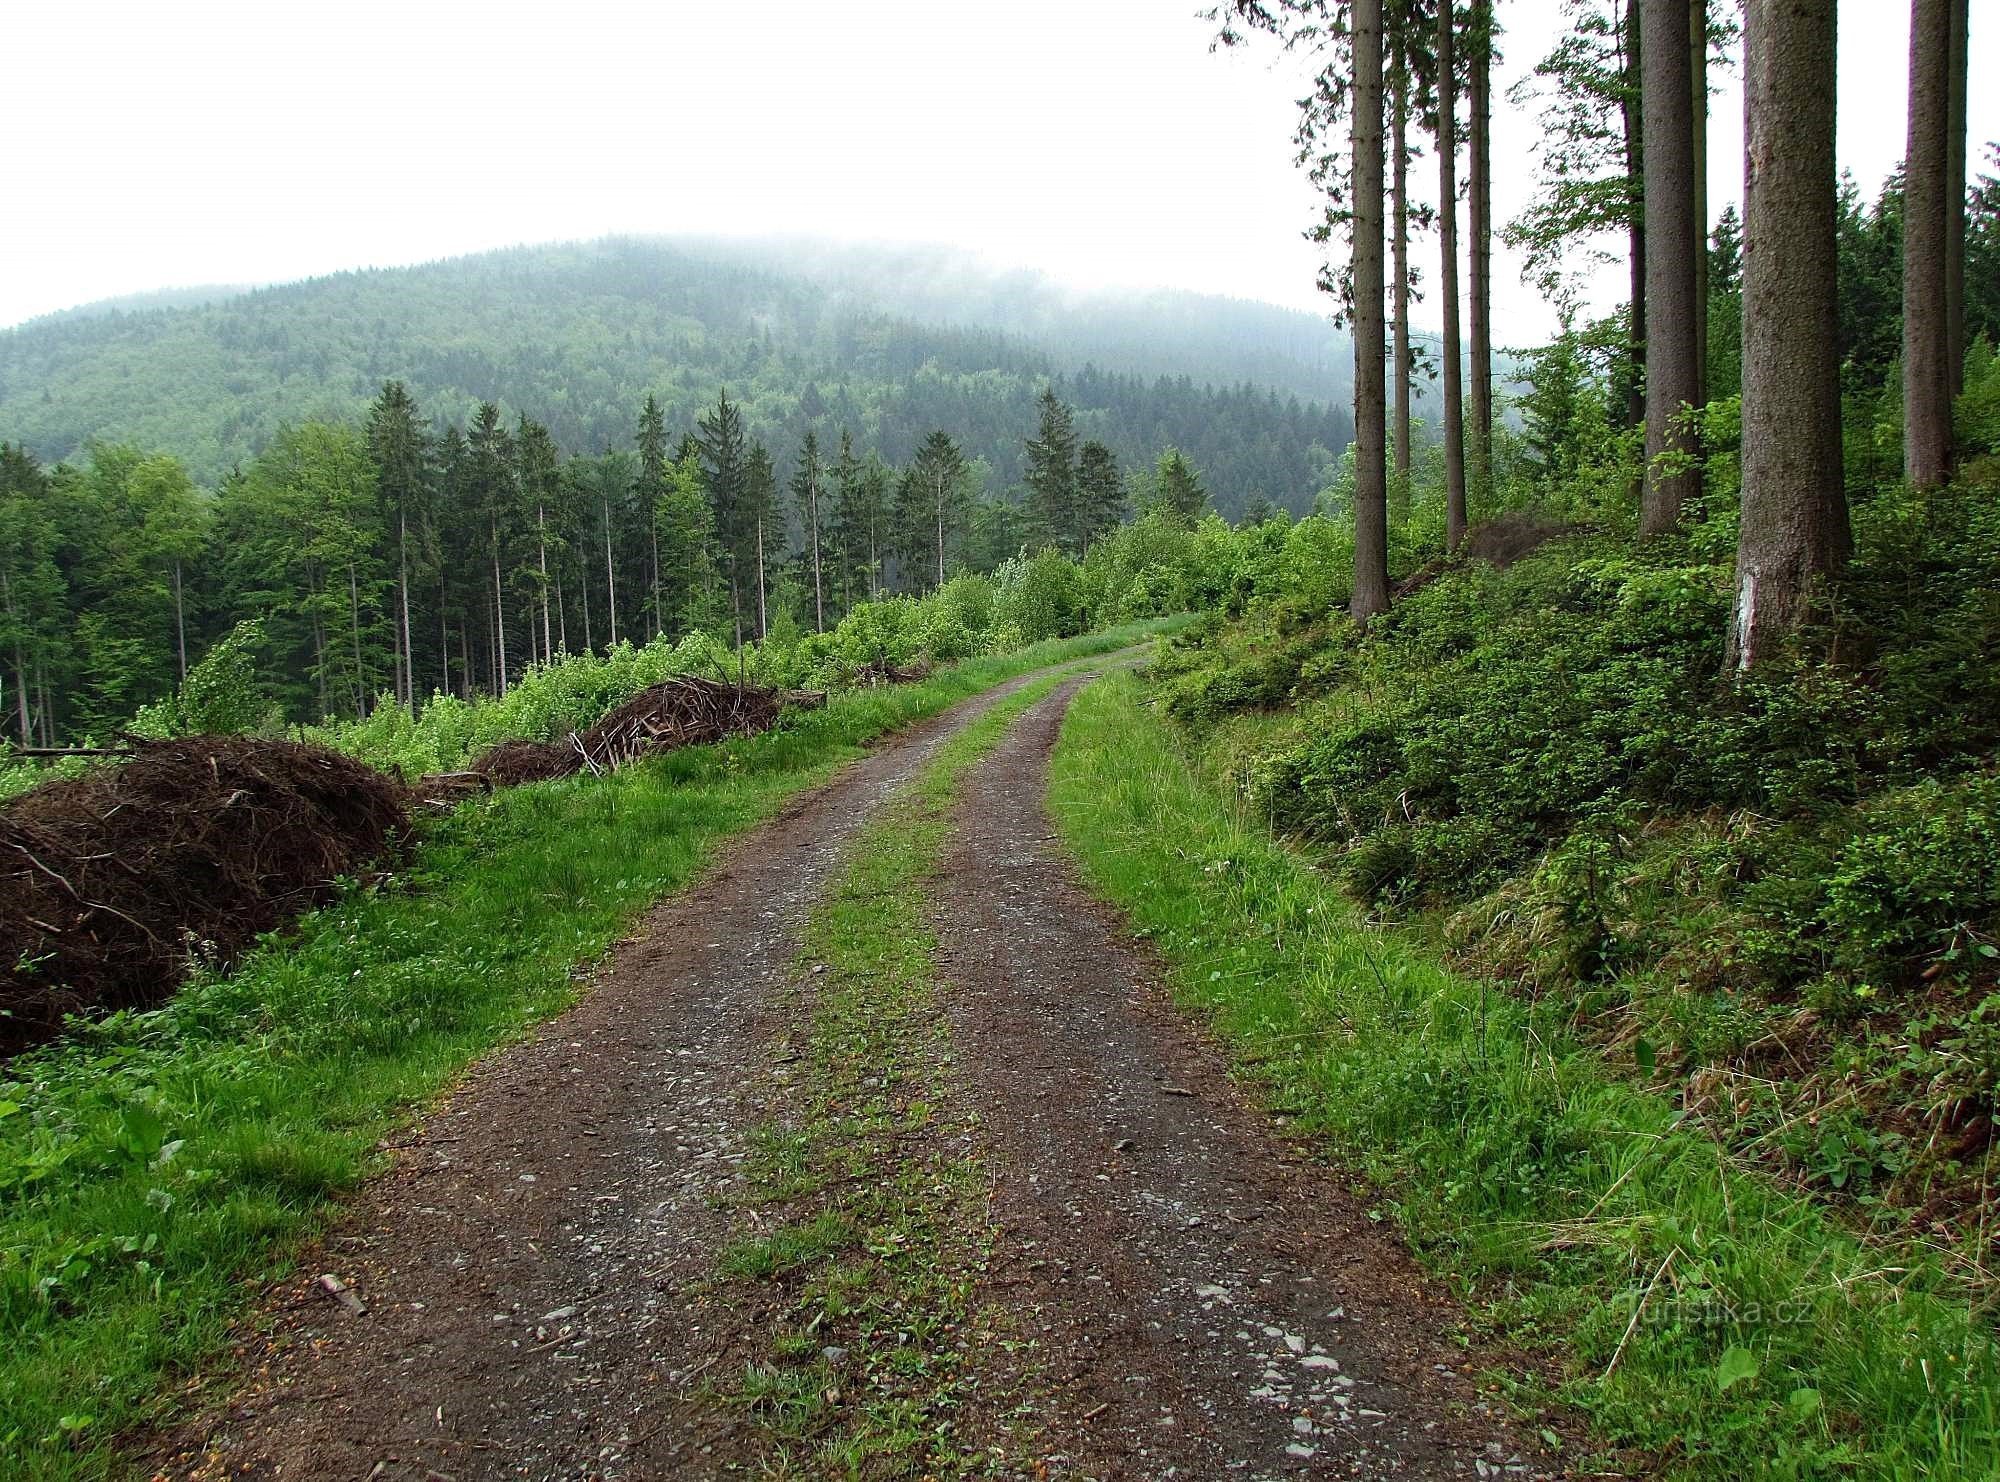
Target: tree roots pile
[114, 883]
[683, 711]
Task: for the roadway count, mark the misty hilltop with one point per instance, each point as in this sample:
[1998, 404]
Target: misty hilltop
[892, 342]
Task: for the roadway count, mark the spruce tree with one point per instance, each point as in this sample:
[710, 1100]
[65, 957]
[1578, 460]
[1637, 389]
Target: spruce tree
[725, 457]
[1051, 474]
[1100, 492]
[397, 443]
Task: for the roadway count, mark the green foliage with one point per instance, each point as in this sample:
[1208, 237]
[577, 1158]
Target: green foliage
[1710, 1320]
[222, 694]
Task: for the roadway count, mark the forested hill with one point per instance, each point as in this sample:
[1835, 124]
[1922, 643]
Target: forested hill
[576, 335]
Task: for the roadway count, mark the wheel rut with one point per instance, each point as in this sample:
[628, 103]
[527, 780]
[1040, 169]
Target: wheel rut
[1208, 1302]
[526, 1262]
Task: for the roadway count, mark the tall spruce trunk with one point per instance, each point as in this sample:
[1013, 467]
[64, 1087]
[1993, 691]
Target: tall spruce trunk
[542, 543]
[1673, 478]
[354, 621]
[610, 579]
[763, 614]
[408, 681]
[1371, 502]
[1926, 251]
[1635, 231]
[1451, 352]
[1794, 532]
[499, 620]
[20, 663]
[1954, 215]
[1479, 214]
[180, 622]
[1698, 101]
[1399, 248]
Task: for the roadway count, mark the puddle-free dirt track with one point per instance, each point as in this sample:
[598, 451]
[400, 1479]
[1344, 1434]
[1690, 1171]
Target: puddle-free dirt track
[537, 1266]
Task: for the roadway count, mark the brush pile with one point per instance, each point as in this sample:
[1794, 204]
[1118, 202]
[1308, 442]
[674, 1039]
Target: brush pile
[871, 674]
[112, 884]
[683, 711]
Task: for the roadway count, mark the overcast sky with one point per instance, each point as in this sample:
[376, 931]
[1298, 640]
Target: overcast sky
[151, 144]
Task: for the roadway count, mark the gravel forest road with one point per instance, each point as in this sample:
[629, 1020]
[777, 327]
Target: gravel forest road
[539, 1267]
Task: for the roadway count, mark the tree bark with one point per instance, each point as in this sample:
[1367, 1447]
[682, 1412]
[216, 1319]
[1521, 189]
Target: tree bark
[763, 614]
[1635, 232]
[180, 622]
[610, 578]
[1399, 247]
[354, 619]
[1954, 217]
[1672, 240]
[1926, 341]
[1371, 504]
[542, 544]
[1480, 222]
[499, 620]
[1698, 96]
[1794, 533]
[409, 638]
[1450, 352]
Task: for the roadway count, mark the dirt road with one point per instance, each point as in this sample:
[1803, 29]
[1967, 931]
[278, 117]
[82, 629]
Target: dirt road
[539, 1268]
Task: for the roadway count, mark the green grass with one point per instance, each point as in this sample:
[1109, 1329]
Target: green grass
[155, 1167]
[1701, 1317]
[874, 1149]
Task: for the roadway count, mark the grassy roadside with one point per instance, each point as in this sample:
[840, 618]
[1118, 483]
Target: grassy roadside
[1702, 1316]
[156, 1166]
[881, 1202]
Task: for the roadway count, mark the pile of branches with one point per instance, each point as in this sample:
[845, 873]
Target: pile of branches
[684, 711]
[114, 883]
[872, 674]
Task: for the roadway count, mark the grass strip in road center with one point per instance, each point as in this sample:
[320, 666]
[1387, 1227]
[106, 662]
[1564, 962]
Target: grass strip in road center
[870, 1276]
[155, 1167]
[1718, 1324]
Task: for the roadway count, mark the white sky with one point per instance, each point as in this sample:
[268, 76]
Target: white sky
[152, 144]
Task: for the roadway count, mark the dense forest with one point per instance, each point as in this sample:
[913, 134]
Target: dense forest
[577, 336]
[388, 556]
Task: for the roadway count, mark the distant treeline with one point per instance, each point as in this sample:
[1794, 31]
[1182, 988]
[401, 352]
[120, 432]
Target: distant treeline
[578, 336]
[394, 555]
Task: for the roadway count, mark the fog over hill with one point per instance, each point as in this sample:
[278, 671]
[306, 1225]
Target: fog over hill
[892, 342]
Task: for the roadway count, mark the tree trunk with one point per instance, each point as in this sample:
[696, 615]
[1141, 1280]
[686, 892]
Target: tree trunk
[1794, 531]
[1635, 232]
[20, 662]
[354, 622]
[583, 600]
[1926, 384]
[610, 578]
[1672, 476]
[180, 622]
[940, 531]
[763, 613]
[1451, 351]
[465, 658]
[562, 617]
[1954, 216]
[819, 599]
[1399, 247]
[1698, 99]
[1480, 221]
[1371, 495]
[542, 541]
[656, 570]
[409, 638]
[499, 620]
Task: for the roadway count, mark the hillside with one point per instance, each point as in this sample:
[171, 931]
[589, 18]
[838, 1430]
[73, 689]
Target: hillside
[576, 335]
